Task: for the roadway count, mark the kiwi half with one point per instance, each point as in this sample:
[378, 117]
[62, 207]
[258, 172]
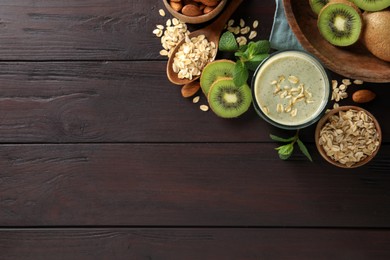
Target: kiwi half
[214, 71]
[372, 5]
[340, 23]
[317, 5]
[227, 100]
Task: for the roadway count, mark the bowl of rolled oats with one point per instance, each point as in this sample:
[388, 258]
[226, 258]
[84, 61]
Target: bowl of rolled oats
[194, 12]
[291, 89]
[348, 136]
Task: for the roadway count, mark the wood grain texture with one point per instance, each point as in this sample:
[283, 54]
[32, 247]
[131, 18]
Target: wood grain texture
[124, 102]
[187, 185]
[205, 243]
[91, 30]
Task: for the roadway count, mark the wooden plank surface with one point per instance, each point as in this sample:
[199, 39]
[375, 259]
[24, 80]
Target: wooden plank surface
[92, 30]
[101, 158]
[187, 243]
[124, 102]
[186, 185]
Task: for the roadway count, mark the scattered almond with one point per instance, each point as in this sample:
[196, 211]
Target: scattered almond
[188, 90]
[363, 96]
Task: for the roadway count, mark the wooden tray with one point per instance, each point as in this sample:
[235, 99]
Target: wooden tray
[353, 62]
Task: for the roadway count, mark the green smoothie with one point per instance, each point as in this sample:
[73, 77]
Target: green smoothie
[291, 88]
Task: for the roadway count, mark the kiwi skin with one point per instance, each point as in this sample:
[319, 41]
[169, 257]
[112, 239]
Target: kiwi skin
[376, 35]
[229, 108]
[215, 70]
[326, 34]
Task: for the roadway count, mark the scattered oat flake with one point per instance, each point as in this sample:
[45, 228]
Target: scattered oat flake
[242, 23]
[161, 12]
[358, 82]
[196, 99]
[204, 108]
[346, 82]
[252, 35]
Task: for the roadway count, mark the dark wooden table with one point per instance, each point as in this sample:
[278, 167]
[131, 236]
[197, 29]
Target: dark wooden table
[101, 157]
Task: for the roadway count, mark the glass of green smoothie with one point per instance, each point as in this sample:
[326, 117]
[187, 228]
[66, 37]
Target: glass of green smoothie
[291, 89]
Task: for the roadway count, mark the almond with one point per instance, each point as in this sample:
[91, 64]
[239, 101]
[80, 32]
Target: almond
[176, 6]
[210, 2]
[208, 9]
[191, 10]
[190, 89]
[363, 96]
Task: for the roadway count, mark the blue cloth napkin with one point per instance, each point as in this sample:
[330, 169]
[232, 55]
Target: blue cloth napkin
[282, 38]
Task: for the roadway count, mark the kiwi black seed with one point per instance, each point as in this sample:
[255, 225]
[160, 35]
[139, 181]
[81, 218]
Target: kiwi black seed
[214, 71]
[317, 5]
[227, 100]
[372, 5]
[340, 23]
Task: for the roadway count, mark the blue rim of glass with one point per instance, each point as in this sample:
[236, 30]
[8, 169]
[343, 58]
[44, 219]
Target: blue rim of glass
[291, 127]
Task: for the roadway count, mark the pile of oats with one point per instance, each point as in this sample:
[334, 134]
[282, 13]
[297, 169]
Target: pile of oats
[174, 31]
[192, 56]
[349, 137]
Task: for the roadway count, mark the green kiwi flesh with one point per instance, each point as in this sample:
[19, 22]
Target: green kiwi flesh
[227, 100]
[372, 5]
[340, 23]
[214, 71]
[316, 5]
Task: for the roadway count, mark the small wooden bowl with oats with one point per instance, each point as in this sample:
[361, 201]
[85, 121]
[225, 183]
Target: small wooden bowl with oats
[196, 12]
[348, 136]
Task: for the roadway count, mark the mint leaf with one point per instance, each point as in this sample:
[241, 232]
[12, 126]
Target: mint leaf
[285, 151]
[261, 47]
[280, 139]
[240, 74]
[255, 61]
[243, 48]
[228, 42]
[304, 150]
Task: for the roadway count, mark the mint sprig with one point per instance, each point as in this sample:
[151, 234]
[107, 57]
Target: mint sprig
[249, 56]
[248, 59]
[285, 151]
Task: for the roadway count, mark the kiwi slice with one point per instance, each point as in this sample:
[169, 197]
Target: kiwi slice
[316, 5]
[340, 23]
[214, 71]
[372, 5]
[227, 100]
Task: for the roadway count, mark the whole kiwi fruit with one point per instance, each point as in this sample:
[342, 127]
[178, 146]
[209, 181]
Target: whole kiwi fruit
[376, 34]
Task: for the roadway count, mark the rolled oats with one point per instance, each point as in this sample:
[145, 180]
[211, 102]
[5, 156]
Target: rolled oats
[252, 35]
[192, 56]
[171, 35]
[349, 137]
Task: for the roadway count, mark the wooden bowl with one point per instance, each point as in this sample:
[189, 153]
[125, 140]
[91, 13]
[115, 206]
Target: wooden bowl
[325, 119]
[354, 62]
[196, 19]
